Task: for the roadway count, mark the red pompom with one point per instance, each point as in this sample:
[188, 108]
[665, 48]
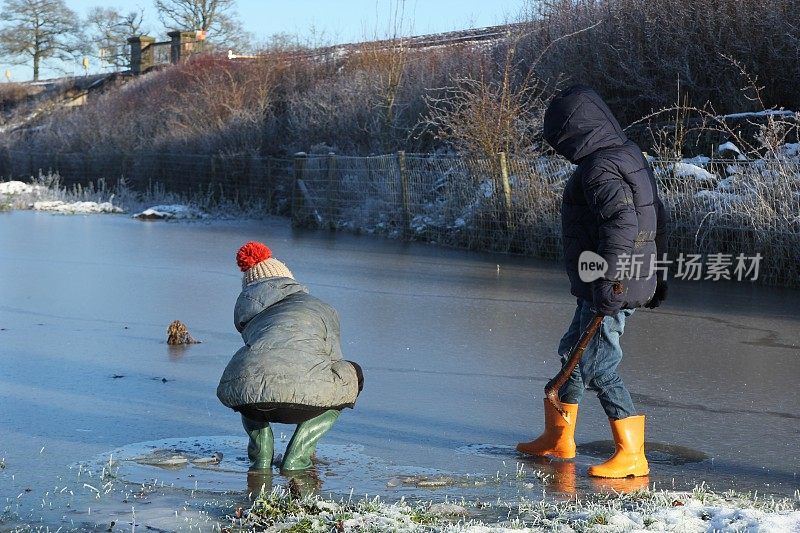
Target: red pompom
[250, 254]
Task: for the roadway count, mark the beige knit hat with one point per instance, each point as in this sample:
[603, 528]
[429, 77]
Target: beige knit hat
[256, 261]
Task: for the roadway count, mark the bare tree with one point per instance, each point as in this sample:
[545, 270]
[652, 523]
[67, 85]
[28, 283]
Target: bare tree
[218, 18]
[109, 30]
[38, 30]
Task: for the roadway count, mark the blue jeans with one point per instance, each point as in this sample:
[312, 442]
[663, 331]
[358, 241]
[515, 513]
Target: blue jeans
[597, 370]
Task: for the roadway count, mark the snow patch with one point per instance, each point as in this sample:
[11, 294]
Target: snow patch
[789, 150]
[686, 170]
[728, 184]
[697, 160]
[720, 200]
[765, 113]
[733, 149]
[76, 208]
[487, 188]
[171, 212]
[728, 147]
[18, 187]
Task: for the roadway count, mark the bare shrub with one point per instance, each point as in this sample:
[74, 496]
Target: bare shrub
[477, 99]
[491, 113]
[12, 94]
[222, 112]
[641, 49]
[205, 105]
[769, 129]
[341, 112]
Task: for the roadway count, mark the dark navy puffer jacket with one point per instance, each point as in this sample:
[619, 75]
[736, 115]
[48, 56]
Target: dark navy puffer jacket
[610, 204]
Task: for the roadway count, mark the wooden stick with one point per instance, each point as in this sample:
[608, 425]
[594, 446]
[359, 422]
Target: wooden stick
[555, 384]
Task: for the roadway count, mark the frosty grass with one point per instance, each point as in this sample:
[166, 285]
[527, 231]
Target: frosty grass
[644, 510]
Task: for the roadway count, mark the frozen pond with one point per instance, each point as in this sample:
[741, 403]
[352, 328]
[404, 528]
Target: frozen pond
[456, 349]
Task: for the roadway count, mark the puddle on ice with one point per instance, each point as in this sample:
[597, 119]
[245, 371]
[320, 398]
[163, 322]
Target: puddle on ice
[219, 464]
[215, 464]
[489, 450]
[180, 483]
[656, 452]
[671, 467]
[198, 480]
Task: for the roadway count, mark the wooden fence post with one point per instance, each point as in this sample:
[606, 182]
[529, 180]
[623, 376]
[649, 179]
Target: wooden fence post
[268, 183]
[333, 190]
[503, 161]
[255, 176]
[5, 163]
[87, 170]
[405, 195]
[299, 169]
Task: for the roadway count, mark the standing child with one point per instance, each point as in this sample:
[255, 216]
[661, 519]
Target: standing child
[611, 208]
[290, 370]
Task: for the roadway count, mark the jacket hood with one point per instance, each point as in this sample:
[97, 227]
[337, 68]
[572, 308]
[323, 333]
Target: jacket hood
[578, 122]
[260, 295]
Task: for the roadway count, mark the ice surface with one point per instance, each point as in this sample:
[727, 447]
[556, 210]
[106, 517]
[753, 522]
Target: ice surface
[456, 352]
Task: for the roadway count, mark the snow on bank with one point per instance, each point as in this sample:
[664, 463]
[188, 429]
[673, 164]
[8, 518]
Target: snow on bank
[9, 188]
[44, 194]
[76, 208]
[699, 510]
[171, 212]
[15, 187]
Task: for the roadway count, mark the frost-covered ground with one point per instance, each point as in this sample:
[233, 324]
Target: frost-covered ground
[696, 511]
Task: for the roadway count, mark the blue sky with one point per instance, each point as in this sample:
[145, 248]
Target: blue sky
[327, 20]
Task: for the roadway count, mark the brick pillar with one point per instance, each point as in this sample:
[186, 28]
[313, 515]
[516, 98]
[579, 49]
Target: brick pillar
[183, 43]
[142, 55]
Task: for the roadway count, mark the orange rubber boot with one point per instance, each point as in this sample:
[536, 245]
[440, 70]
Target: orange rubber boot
[628, 459]
[558, 439]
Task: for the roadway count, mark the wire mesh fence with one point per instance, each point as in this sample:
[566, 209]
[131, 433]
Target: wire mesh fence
[721, 210]
[725, 208]
[212, 178]
[500, 205]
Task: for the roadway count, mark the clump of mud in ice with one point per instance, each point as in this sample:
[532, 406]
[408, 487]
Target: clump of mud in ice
[178, 334]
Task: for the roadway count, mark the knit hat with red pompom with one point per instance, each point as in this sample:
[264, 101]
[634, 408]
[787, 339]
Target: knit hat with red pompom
[256, 261]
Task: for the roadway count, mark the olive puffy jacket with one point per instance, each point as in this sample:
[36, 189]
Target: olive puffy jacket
[610, 204]
[292, 355]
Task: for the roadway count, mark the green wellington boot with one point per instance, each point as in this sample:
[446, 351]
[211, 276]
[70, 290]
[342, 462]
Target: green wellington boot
[304, 441]
[260, 447]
